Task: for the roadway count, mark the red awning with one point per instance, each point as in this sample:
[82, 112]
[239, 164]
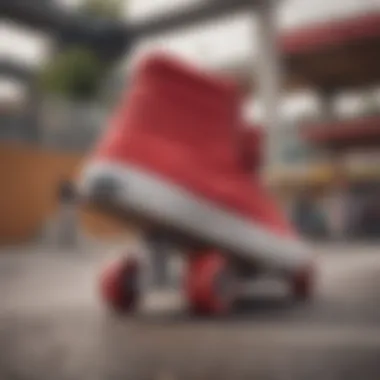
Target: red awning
[332, 33]
[344, 132]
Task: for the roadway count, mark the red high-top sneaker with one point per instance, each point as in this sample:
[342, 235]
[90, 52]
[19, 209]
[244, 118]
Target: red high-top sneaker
[173, 155]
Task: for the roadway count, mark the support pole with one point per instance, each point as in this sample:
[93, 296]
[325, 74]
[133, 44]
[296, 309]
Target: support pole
[159, 247]
[268, 77]
[326, 97]
[32, 115]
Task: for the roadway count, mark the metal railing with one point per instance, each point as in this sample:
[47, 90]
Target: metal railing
[66, 127]
[70, 127]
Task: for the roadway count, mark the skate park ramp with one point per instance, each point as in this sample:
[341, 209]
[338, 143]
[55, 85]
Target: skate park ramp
[30, 208]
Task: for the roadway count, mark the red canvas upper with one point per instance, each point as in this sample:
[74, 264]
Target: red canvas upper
[184, 126]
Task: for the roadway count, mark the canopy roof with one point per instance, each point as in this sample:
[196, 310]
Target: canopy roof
[363, 131]
[334, 55]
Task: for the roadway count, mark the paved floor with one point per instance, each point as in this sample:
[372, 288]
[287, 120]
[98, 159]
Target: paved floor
[53, 327]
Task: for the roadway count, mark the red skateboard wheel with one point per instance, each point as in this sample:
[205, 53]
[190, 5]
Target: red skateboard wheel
[119, 284]
[209, 284]
[303, 284]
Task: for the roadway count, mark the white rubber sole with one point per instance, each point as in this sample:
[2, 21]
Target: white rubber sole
[152, 197]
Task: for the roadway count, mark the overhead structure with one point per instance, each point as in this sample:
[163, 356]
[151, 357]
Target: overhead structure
[329, 58]
[51, 18]
[341, 152]
[15, 70]
[111, 38]
[192, 15]
[341, 54]
[108, 38]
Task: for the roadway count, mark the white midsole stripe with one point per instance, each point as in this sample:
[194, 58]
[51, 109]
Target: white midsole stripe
[153, 197]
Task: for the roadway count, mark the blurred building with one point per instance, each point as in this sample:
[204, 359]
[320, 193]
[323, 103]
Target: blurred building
[330, 56]
[334, 173]
[326, 174]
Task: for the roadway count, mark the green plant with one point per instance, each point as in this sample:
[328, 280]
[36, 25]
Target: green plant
[74, 74]
[102, 8]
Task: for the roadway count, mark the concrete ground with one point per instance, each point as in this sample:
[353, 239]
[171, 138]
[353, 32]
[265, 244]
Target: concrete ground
[53, 327]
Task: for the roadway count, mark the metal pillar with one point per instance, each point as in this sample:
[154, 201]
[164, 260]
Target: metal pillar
[159, 247]
[340, 202]
[67, 219]
[326, 98]
[268, 77]
[33, 127]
